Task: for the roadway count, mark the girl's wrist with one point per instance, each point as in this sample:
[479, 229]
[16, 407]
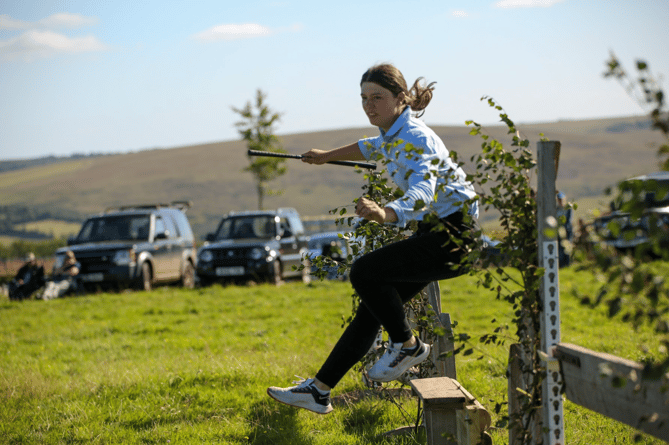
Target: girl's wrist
[390, 215]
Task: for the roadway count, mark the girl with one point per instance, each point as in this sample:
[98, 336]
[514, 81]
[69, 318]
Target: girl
[388, 277]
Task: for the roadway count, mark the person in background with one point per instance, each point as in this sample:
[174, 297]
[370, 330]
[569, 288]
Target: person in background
[565, 216]
[28, 279]
[64, 278]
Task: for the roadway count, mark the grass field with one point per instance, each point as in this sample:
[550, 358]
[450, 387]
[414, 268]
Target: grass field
[180, 366]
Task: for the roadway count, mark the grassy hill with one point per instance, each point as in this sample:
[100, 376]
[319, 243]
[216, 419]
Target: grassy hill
[595, 154]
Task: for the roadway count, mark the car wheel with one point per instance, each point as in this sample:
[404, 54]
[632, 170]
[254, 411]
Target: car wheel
[188, 277]
[146, 280]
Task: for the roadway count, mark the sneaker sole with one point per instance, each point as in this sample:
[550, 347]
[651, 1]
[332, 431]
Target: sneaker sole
[318, 409]
[412, 362]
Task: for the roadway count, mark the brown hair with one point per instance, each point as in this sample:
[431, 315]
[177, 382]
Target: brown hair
[390, 78]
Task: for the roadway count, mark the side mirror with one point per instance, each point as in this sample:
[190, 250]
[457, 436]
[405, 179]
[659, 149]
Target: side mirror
[71, 240]
[211, 237]
[162, 235]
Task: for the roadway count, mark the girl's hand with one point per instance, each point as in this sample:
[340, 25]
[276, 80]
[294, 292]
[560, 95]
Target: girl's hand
[315, 156]
[369, 210]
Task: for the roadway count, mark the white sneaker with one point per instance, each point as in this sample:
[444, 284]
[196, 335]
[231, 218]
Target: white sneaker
[304, 395]
[397, 360]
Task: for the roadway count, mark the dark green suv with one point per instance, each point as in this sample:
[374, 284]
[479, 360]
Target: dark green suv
[623, 230]
[138, 246]
[255, 245]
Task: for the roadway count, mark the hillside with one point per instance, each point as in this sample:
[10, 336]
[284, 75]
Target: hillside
[595, 155]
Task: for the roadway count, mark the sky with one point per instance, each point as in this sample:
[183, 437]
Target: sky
[126, 75]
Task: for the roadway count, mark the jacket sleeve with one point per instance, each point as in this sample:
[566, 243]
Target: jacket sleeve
[421, 179]
[368, 145]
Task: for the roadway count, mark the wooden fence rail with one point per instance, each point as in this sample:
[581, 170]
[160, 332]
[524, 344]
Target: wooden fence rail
[614, 387]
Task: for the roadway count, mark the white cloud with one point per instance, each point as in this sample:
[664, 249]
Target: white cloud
[6, 22]
[36, 43]
[460, 14]
[59, 20]
[526, 3]
[67, 20]
[233, 32]
[38, 39]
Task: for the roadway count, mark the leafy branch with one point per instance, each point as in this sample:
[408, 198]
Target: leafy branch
[633, 283]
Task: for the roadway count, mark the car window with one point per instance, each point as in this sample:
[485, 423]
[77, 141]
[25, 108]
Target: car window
[115, 228]
[247, 227]
[296, 225]
[183, 225]
[160, 225]
[286, 228]
[177, 232]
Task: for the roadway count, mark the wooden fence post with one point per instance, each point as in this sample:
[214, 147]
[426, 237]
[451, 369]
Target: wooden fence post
[444, 366]
[452, 415]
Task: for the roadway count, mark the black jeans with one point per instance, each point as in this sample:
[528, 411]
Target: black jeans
[387, 278]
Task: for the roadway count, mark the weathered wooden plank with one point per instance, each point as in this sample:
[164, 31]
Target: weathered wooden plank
[440, 390]
[434, 296]
[613, 386]
[515, 381]
[472, 421]
[444, 366]
[452, 415]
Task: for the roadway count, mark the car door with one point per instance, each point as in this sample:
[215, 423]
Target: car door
[165, 253]
[178, 246]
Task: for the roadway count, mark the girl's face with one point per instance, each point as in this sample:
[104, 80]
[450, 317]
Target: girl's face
[380, 106]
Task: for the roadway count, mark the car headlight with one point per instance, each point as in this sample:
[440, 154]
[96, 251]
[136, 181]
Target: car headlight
[124, 257]
[256, 253]
[206, 256]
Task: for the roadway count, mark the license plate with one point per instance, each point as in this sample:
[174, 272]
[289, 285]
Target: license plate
[92, 277]
[229, 271]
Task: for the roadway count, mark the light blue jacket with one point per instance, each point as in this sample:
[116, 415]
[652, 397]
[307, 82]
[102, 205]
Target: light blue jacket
[410, 170]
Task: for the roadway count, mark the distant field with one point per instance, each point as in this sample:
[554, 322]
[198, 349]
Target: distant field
[7, 240]
[595, 154]
[56, 228]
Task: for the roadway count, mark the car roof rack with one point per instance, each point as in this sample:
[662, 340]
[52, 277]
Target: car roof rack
[181, 205]
[286, 210]
[279, 211]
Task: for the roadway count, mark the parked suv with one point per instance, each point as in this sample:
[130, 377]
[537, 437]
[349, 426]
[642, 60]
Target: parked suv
[255, 245]
[625, 232]
[135, 246]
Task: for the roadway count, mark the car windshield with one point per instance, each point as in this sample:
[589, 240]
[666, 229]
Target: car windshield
[247, 227]
[115, 228]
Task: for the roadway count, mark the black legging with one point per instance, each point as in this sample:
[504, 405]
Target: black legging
[385, 279]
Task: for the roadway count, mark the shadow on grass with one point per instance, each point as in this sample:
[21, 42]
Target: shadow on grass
[275, 424]
[365, 420]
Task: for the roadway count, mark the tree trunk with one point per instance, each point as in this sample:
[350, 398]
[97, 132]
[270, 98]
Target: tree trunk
[261, 195]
